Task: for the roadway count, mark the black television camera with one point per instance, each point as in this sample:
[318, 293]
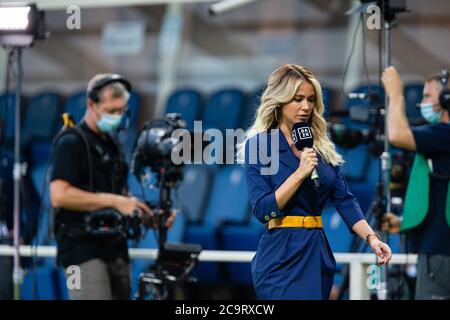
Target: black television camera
[154, 148]
[113, 224]
[347, 136]
[371, 113]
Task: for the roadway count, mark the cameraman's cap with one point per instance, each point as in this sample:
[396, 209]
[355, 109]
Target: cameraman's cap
[103, 79]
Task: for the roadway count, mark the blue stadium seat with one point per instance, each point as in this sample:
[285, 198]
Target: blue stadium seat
[361, 171]
[250, 108]
[40, 179]
[335, 229]
[356, 163]
[46, 275]
[229, 199]
[188, 103]
[228, 203]
[223, 110]
[144, 193]
[41, 117]
[76, 105]
[193, 192]
[128, 136]
[395, 243]
[46, 271]
[62, 284]
[134, 106]
[7, 117]
[46, 283]
[6, 177]
[241, 238]
[39, 153]
[326, 97]
[47, 280]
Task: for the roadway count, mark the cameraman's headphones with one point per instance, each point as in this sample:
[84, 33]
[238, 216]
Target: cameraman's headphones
[110, 78]
[444, 95]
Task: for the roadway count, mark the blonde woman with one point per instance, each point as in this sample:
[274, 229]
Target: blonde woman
[294, 259]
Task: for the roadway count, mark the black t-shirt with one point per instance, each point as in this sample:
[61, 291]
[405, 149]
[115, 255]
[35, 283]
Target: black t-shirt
[70, 163]
[433, 235]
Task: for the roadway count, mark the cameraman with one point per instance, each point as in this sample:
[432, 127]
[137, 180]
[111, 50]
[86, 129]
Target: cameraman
[84, 181]
[428, 225]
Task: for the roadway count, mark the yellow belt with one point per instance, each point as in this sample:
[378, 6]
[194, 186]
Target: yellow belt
[308, 222]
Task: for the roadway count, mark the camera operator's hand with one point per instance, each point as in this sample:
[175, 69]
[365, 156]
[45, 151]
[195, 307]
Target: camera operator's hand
[171, 218]
[128, 205]
[392, 82]
[390, 223]
[308, 161]
[169, 221]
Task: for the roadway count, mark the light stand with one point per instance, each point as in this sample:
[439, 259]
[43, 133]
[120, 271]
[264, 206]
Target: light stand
[20, 24]
[18, 171]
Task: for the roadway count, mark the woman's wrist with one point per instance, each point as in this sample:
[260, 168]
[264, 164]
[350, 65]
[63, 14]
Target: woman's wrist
[299, 174]
[371, 237]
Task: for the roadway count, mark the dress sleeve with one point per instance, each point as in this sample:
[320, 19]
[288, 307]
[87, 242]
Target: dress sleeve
[345, 202]
[261, 194]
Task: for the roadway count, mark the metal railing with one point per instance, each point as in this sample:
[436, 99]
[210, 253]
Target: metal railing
[358, 262]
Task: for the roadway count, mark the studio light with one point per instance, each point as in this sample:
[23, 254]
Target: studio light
[227, 5]
[21, 23]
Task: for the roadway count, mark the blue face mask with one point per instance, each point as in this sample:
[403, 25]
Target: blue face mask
[108, 122]
[431, 116]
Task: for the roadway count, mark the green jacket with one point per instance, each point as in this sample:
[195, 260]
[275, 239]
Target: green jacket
[417, 196]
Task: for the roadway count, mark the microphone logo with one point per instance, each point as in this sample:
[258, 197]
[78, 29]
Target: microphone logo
[304, 133]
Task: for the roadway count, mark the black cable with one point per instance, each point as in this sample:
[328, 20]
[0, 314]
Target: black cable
[34, 245]
[144, 199]
[364, 58]
[380, 55]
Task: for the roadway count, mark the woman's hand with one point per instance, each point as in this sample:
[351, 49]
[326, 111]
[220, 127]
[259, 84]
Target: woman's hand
[308, 161]
[382, 250]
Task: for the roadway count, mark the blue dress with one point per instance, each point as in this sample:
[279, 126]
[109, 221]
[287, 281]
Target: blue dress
[293, 263]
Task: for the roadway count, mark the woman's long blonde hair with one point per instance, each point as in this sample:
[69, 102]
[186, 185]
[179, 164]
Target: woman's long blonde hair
[281, 88]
